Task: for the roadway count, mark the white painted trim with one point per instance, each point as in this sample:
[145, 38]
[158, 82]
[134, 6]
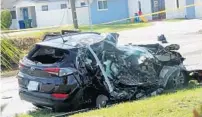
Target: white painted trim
[102, 9]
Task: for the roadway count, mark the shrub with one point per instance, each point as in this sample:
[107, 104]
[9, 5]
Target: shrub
[6, 19]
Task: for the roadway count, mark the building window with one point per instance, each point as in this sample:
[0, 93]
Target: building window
[63, 6]
[102, 5]
[13, 14]
[83, 4]
[44, 8]
[177, 3]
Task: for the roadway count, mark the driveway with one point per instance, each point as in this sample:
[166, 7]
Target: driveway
[184, 33]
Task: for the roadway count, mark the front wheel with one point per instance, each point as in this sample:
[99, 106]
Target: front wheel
[101, 101]
[177, 81]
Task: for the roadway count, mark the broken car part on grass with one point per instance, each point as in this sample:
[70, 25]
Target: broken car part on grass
[80, 69]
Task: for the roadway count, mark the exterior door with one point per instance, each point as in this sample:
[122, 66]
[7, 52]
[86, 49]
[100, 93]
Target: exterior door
[162, 8]
[190, 10]
[158, 5]
[25, 13]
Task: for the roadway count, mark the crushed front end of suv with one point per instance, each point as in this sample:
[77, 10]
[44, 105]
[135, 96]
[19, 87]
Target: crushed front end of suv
[81, 70]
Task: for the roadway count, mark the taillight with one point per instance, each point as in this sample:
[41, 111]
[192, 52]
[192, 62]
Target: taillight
[60, 95]
[59, 71]
[54, 71]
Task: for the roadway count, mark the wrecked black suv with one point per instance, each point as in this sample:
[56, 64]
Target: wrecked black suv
[76, 70]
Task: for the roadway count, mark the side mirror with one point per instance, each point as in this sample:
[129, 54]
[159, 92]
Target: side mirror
[172, 47]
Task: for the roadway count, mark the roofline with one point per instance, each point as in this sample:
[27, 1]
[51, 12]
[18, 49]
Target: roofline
[36, 1]
[70, 46]
[70, 34]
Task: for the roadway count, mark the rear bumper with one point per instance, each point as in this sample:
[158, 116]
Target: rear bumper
[42, 99]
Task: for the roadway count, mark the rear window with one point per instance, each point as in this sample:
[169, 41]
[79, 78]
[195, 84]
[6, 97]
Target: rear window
[47, 55]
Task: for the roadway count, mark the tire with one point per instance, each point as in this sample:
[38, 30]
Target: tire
[178, 81]
[101, 101]
[57, 109]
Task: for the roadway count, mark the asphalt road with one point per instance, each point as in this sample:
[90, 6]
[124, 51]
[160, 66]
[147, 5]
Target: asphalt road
[184, 33]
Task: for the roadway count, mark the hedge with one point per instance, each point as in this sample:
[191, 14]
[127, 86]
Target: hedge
[6, 19]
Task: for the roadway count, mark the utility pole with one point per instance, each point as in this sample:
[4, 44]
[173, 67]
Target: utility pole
[89, 13]
[74, 16]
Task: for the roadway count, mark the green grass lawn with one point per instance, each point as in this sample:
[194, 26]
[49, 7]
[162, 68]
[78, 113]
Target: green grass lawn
[179, 104]
[95, 28]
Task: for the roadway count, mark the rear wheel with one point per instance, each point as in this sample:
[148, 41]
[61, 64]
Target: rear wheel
[177, 81]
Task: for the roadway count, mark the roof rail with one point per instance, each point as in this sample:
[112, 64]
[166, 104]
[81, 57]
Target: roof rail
[63, 32]
[49, 36]
[69, 32]
[52, 34]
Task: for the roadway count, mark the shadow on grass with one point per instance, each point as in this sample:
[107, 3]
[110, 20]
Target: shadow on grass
[38, 113]
[49, 113]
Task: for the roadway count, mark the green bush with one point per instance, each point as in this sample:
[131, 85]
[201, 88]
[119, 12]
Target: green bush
[6, 19]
